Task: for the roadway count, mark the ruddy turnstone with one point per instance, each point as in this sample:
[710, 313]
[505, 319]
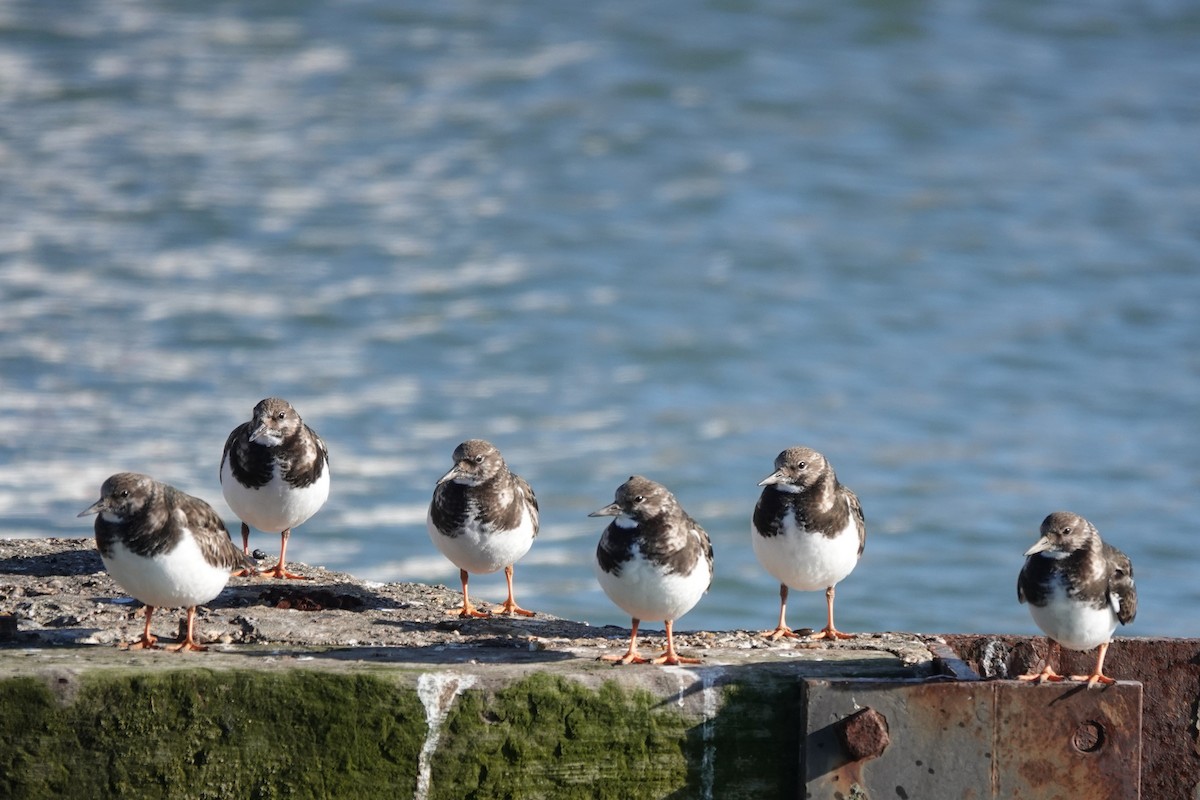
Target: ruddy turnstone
[274, 474]
[483, 517]
[1078, 589]
[808, 532]
[166, 548]
[653, 561]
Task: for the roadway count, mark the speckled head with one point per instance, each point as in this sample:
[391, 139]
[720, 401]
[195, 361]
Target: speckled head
[639, 499]
[274, 421]
[796, 469]
[122, 496]
[475, 461]
[1063, 533]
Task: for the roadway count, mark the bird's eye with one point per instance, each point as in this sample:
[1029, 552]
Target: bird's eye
[479, 459]
[281, 415]
[638, 499]
[124, 493]
[802, 465]
[1066, 530]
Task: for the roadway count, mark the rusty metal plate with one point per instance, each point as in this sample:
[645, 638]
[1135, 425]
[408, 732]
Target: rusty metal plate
[996, 739]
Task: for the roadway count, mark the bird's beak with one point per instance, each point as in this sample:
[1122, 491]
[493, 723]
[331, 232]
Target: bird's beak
[1040, 546]
[94, 508]
[610, 510]
[258, 434]
[449, 476]
[772, 479]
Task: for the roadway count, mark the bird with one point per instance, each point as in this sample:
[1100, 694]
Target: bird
[808, 531]
[483, 517]
[1078, 588]
[164, 547]
[274, 474]
[653, 561]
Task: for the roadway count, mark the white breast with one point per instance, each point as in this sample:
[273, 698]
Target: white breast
[277, 505]
[477, 550]
[807, 561]
[1074, 624]
[646, 591]
[179, 578]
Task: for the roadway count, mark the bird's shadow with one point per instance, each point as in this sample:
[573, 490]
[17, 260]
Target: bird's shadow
[485, 651]
[48, 565]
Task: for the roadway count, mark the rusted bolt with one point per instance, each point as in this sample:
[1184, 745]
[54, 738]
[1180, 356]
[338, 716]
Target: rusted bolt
[864, 734]
[1089, 737]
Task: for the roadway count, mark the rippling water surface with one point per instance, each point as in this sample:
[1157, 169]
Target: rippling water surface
[955, 246]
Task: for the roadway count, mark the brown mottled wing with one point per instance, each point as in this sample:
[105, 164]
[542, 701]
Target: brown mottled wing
[1122, 594]
[305, 471]
[705, 546]
[527, 497]
[860, 521]
[230, 441]
[209, 531]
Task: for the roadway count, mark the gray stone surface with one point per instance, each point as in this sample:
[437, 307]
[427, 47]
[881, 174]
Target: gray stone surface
[57, 593]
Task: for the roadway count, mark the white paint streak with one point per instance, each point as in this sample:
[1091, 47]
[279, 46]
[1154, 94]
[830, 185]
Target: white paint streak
[437, 692]
[707, 677]
[708, 762]
[993, 661]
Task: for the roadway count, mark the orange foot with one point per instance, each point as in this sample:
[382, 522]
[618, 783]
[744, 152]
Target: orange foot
[779, 633]
[631, 657]
[468, 611]
[1094, 679]
[1047, 674]
[672, 659]
[511, 607]
[831, 633]
[279, 572]
[144, 643]
[187, 644]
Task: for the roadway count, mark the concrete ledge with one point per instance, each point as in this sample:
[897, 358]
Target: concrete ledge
[341, 688]
[338, 687]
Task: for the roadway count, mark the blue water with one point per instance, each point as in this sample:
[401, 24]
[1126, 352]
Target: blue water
[955, 246]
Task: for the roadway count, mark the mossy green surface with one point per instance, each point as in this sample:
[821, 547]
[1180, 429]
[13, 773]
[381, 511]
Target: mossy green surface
[202, 734]
[755, 738]
[550, 737]
[294, 733]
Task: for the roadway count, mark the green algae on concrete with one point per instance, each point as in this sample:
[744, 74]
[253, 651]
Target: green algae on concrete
[195, 733]
[755, 737]
[547, 736]
[202, 733]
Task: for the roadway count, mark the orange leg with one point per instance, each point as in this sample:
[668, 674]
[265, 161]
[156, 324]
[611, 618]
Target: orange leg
[631, 655]
[1047, 673]
[671, 658]
[148, 640]
[830, 632]
[189, 642]
[467, 609]
[279, 570]
[781, 630]
[1097, 675]
[510, 605]
[244, 573]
